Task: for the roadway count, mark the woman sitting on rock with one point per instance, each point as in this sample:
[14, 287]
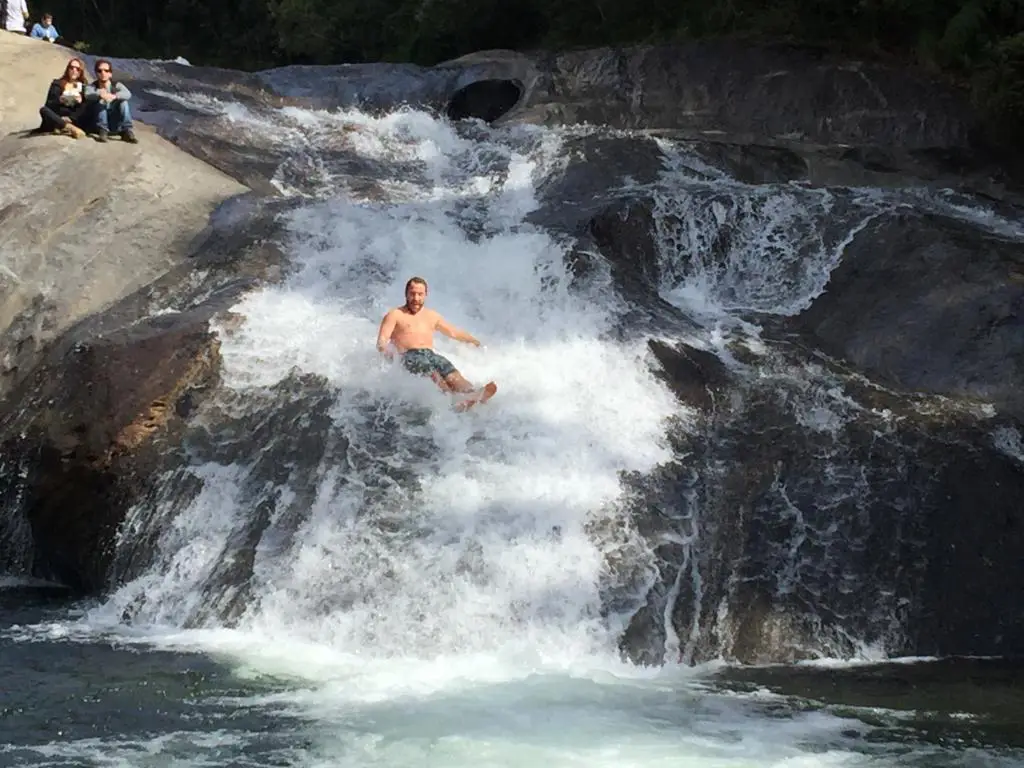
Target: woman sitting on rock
[65, 110]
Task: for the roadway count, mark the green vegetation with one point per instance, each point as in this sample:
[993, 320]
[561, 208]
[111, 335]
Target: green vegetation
[979, 43]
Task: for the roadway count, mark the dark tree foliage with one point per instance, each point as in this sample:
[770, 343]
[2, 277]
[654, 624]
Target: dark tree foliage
[977, 42]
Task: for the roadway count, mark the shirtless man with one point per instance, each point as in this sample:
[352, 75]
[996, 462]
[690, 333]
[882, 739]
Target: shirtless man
[410, 328]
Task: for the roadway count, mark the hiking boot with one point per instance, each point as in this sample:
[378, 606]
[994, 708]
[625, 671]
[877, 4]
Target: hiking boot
[101, 135]
[72, 130]
[129, 136]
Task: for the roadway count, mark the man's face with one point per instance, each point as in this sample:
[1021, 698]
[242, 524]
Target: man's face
[103, 73]
[415, 295]
[47, 21]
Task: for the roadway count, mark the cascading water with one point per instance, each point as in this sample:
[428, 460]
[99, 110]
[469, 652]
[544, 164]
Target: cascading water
[432, 588]
[729, 247]
[490, 548]
[831, 515]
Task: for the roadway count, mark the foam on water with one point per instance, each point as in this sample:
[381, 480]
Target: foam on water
[13, 581]
[1009, 441]
[730, 247]
[504, 564]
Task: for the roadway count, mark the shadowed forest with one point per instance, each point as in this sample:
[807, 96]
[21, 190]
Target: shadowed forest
[978, 43]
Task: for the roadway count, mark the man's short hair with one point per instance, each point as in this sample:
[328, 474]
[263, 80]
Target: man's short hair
[416, 281]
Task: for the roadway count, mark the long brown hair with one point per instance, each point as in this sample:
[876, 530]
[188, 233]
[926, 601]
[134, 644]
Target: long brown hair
[67, 77]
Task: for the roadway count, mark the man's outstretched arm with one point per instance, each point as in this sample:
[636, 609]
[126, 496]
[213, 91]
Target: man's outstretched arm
[455, 333]
[387, 327]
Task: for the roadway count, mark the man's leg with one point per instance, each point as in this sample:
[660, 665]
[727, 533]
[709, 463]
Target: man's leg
[453, 382]
[121, 120]
[438, 379]
[456, 382]
[446, 372]
[101, 120]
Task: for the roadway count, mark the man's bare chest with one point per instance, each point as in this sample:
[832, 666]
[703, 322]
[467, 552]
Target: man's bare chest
[417, 325]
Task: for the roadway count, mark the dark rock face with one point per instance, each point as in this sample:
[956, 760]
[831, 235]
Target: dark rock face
[81, 423]
[973, 585]
[811, 502]
[289, 429]
[881, 118]
[91, 427]
[485, 100]
[741, 89]
[921, 302]
[697, 377]
[928, 304]
[771, 540]
[624, 236]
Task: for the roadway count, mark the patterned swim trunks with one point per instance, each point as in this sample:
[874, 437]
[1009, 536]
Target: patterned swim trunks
[424, 362]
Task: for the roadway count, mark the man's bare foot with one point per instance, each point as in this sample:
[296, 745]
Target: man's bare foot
[479, 396]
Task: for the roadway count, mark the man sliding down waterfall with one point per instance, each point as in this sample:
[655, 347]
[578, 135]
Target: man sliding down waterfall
[410, 329]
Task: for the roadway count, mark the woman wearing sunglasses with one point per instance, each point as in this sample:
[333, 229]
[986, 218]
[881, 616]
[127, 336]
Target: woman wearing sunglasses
[65, 110]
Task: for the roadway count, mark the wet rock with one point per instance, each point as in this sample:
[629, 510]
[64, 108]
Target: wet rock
[625, 235]
[712, 88]
[805, 518]
[81, 428]
[972, 584]
[730, 87]
[928, 304]
[699, 378]
[94, 425]
[752, 163]
[290, 435]
[606, 172]
[620, 238]
[485, 100]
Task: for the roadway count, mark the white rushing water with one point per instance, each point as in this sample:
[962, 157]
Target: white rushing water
[477, 640]
[507, 567]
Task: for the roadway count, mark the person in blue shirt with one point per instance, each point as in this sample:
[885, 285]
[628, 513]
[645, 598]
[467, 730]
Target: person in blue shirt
[44, 29]
[109, 101]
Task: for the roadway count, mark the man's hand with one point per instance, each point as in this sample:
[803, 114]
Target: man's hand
[107, 96]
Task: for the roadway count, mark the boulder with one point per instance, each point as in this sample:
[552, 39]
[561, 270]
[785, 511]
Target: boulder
[82, 434]
[781, 534]
[104, 340]
[83, 224]
[927, 303]
[732, 87]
